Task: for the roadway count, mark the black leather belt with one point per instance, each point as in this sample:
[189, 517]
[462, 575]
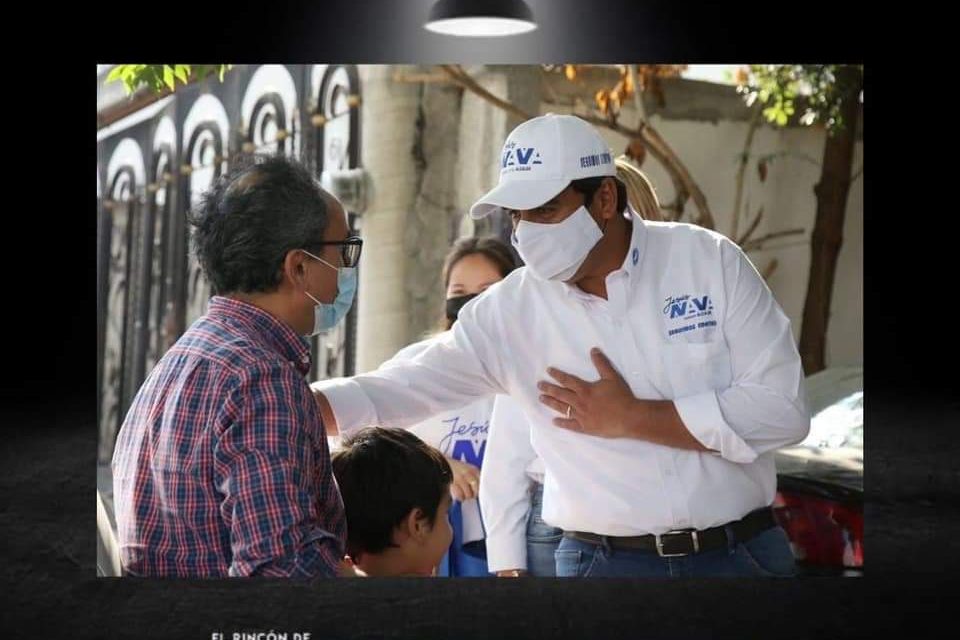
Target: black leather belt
[687, 541]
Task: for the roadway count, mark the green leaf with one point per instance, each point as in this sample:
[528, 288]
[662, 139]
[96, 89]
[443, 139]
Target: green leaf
[162, 77]
[134, 71]
[152, 77]
[168, 78]
[132, 78]
[116, 73]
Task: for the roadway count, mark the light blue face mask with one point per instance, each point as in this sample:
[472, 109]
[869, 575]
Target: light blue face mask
[327, 315]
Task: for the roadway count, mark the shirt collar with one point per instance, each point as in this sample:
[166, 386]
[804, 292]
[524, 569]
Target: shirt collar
[632, 261]
[276, 333]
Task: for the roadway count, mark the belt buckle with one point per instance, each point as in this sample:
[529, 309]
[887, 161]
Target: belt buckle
[659, 542]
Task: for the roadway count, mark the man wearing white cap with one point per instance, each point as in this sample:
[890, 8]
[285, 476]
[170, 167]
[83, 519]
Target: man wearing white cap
[655, 370]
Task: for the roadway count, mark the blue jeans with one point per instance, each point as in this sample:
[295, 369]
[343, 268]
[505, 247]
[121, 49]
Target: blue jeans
[542, 539]
[767, 554]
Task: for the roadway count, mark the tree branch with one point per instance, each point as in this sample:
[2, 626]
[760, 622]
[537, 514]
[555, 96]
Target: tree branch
[464, 80]
[673, 164]
[637, 95]
[770, 268]
[791, 154]
[753, 227]
[756, 243]
[742, 170]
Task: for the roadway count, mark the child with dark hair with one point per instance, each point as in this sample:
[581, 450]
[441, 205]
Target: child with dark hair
[396, 493]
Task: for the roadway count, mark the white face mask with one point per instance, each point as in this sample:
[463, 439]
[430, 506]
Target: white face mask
[556, 251]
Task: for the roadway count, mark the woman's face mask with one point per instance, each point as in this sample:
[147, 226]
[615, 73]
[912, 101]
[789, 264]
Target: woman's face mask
[455, 304]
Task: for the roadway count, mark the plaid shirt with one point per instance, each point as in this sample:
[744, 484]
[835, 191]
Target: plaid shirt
[221, 466]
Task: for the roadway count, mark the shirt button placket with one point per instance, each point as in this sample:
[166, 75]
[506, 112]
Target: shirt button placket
[682, 513]
[669, 485]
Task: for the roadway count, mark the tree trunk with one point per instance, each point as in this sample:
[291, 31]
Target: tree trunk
[831, 192]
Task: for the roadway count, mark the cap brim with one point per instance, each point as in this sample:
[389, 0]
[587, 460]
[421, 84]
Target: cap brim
[517, 194]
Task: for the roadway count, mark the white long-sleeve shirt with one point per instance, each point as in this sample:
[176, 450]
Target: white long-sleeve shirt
[687, 318]
[460, 433]
[505, 485]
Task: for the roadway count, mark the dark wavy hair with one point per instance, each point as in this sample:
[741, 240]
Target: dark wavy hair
[249, 219]
[383, 474]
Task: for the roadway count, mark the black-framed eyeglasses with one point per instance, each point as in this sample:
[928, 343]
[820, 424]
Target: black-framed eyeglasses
[350, 249]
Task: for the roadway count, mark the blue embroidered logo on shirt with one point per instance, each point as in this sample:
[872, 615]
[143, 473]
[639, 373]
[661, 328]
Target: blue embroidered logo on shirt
[688, 307]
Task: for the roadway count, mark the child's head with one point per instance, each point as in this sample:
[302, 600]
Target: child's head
[396, 492]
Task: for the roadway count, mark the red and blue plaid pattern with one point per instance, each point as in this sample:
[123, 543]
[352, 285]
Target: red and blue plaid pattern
[221, 467]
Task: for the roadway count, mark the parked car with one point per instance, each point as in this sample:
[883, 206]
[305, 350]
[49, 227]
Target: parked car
[819, 498]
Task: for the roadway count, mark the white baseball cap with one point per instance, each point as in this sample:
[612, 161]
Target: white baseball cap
[540, 158]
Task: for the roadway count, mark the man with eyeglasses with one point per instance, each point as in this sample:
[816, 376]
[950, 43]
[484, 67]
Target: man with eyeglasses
[221, 467]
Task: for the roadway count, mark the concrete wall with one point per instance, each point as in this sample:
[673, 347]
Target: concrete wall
[431, 150]
[388, 121]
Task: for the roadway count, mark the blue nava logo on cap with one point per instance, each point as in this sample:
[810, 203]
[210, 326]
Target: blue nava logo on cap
[520, 158]
[595, 160]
